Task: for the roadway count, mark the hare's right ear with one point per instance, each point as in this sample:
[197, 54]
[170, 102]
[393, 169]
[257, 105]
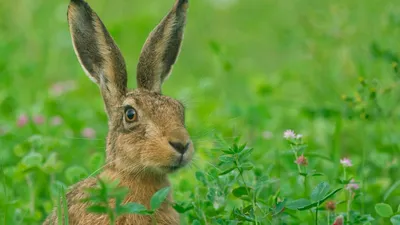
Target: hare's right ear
[161, 49]
[97, 52]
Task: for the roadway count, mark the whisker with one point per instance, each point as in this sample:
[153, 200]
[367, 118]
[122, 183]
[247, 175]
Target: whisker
[106, 164]
[88, 139]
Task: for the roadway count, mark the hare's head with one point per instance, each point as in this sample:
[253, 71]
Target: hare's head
[146, 129]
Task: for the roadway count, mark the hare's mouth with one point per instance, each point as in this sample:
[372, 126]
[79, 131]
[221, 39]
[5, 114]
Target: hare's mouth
[172, 168]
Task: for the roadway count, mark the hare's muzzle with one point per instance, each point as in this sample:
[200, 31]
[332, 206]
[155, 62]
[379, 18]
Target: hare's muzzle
[180, 147]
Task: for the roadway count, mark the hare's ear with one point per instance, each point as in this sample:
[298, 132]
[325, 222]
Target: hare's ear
[97, 52]
[162, 48]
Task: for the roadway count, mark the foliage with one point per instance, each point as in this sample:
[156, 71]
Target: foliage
[108, 199]
[329, 70]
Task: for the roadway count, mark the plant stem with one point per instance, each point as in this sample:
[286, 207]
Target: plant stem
[298, 166]
[247, 189]
[328, 214]
[348, 196]
[312, 214]
[348, 207]
[305, 187]
[31, 194]
[153, 219]
[316, 214]
[112, 218]
[344, 173]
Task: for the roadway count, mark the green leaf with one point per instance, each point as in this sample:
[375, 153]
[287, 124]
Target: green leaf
[314, 204]
[196, 222]
[134, 208]
[391, 189]
[158, 198]
[65, 206]
[317, 174]
[227, 171]
[182, 207]
[59, 207]
[247, 166]
[110, 184]
[98, 209]
[55, 188]
[96, 161]
[245, 153]
[240, 191]
[299, 203]
[119, 193]
[398, 209]
[20, 150]
[279, 207]
[341, 181]
[303, 174]
[75, 174]
[384, 210]
[227, 151]
[395, 220]
[201, 177]
[52, 165]
[320, 191]
[242, 216]
[226, 158]
[33, 159]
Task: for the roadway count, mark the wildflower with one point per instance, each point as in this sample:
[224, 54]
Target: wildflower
[289, 134]
[38, 120]
[338, 221]
[299, 136]
[302, 161]
[89, 133]
[331, 206]
[352, 186]
[22, 120]
[267, 135]
[56, 121]
[346, 162]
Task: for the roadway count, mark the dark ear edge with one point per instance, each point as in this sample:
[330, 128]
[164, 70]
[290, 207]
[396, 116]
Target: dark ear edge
[162, 48]
[97, 52]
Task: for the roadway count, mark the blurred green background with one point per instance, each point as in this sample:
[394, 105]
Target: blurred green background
[253, 68]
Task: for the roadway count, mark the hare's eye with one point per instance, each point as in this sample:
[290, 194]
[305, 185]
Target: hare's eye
[130, 115]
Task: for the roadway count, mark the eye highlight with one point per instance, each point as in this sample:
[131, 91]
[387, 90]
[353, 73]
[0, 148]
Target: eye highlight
[130, 114]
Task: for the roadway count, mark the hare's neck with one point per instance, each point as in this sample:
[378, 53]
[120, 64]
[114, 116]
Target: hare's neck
[142, 187]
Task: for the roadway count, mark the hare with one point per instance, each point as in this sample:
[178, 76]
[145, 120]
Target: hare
[147, 138]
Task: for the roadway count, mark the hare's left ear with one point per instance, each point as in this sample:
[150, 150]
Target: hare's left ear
[97, 52]
[162, 48]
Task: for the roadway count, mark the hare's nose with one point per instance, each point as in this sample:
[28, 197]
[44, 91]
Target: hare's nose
[180, 147]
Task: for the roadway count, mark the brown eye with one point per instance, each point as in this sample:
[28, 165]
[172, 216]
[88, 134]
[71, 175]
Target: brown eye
[130, 115]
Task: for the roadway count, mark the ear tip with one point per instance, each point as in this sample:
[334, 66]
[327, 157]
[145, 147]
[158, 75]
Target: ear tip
[79, 3]
[76, 6]
[182, 2]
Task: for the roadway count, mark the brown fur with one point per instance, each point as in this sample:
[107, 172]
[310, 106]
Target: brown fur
[141, 153]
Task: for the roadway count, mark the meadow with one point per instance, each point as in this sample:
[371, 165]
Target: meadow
[293, 107]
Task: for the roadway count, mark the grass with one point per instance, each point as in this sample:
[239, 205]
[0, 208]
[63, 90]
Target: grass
[326, 69]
